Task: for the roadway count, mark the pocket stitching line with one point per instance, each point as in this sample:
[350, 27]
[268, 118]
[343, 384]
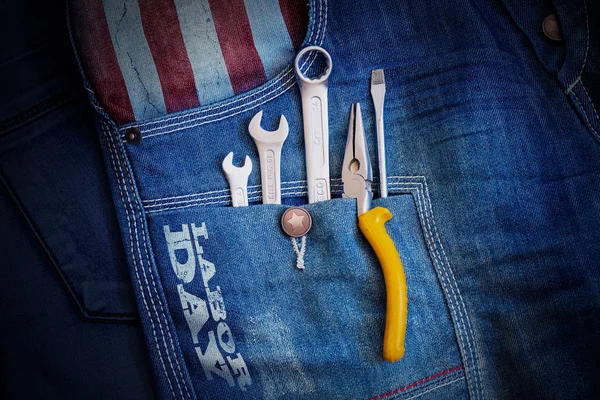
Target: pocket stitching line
[186, 119]
[423, 384]
[120, 185]
[120, 178]
[466, 329]
[584, 112]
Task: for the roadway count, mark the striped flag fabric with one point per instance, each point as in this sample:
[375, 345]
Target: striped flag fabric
[147, 58]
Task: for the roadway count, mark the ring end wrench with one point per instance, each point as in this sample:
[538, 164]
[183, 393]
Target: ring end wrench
[269, 152]
[238, 179]
[315, 117]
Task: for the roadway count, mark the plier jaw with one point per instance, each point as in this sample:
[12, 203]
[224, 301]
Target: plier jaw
[357, 174]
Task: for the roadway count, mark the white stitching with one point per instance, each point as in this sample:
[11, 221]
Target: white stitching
[161, 307]
[157, 297]
[286, 88]
[590, 100]
[132, 252]
[445, 279]
[210, 192]
[570, 88]
[435, 388]
[201, 197]
[154, 206]
[202, 200]
[462, 302]
[227, 112]
[587, 37]
[154, 287]
[585, 115]
[423, 202]
[587, 48]
[464, 328]
[186, 118]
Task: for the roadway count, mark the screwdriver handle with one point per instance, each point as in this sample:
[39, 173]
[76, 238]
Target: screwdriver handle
[372, 225]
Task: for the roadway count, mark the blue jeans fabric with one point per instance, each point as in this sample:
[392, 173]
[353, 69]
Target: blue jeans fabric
[69, 318]
[493, 159]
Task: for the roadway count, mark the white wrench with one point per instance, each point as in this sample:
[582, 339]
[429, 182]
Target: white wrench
[238, 179]
[269, 152]
[315, 117]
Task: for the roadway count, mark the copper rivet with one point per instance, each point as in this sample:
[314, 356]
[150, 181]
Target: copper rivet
[296, 222]
[551, 28]
[133, 136]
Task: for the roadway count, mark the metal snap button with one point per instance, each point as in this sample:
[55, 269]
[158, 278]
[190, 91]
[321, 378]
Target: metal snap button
[133, 135]
[551, 28]
[296, 221]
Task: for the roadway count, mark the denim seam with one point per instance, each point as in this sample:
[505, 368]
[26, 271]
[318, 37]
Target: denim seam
[284, 87]
[120, 185]
[584, 112]
[589, 99]
[209, 192]
[154, 287]
[587, 48]
[445, 280]
[587, 39]
[37, 110]
[161, 306]
[242, 108]
[441, 385]
[464, 329]
[469, 327]
[69, 287]
[200, 199]
[141, 258]
[420, 386]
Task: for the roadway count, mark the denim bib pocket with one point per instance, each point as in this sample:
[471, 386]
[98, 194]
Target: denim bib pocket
[252, 325]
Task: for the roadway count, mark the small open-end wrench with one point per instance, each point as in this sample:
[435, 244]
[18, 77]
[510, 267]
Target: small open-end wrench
[316, 127]
[238, 179]
[269, 152]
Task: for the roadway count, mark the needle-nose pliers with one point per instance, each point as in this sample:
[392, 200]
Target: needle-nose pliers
[357, 176]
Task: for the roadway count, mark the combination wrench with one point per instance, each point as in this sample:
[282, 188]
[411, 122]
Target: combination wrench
[238, 179]
[269, 152]
[315, 118]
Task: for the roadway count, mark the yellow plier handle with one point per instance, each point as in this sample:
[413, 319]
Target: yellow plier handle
[372, 225]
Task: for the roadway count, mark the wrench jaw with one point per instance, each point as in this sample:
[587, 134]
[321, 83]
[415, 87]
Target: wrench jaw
[263, 136]
[238, 179]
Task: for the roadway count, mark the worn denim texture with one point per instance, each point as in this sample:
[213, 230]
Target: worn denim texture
[493, 163]
[493, 169]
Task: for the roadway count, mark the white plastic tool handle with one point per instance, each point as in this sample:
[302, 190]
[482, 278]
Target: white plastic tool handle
[316, 127]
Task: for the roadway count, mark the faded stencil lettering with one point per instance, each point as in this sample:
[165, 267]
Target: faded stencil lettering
[198, 310]
[181, 241]
[195, 311]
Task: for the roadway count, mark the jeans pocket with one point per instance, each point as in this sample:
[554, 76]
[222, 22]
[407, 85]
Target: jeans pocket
[250, 324]
[53, 172]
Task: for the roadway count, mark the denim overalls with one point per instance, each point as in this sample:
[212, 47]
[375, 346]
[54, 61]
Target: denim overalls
[492, 159]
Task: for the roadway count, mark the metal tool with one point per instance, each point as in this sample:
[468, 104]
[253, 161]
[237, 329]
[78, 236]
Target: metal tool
[357, 177]
[378, 95]
[269, 152]
[238, 179]
[316, 127]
